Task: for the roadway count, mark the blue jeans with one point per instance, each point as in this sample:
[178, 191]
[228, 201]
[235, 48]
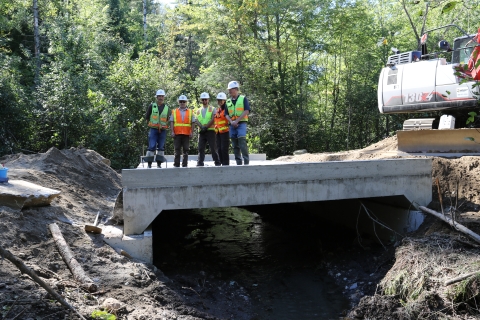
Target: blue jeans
[156, 139]
[240, 131]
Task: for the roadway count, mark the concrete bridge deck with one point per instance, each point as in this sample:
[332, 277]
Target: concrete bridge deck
[147, 192]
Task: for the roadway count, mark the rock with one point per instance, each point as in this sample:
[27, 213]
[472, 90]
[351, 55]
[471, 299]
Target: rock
[111, 304]
[353, 286]
[298, 152]
[2, 285]
[18, 194]
[106, 161]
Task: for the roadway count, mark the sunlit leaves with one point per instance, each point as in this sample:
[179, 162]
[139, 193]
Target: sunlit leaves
[449, 7]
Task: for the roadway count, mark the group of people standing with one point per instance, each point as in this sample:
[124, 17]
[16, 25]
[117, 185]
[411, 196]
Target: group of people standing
[217, 127]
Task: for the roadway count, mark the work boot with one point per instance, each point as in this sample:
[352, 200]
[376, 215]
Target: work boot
[236, 151]
[242, 142]
[150, 154]
[160, 158]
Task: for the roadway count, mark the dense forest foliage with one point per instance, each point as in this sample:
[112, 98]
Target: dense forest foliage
[82, 72]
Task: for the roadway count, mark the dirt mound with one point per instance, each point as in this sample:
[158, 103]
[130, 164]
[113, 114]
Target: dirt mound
[465, 171]
[385, 149]
[415, 288]
[75, 166]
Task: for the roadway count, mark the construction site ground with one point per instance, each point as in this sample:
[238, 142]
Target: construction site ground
[406, 279]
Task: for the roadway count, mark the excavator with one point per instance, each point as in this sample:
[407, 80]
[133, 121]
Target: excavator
[443, 85]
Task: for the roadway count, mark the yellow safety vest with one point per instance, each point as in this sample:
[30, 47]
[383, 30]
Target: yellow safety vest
[156, 120]
[208, 116]
[235, 111]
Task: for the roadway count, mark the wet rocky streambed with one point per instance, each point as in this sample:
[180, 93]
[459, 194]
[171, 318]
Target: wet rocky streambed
[266, 262]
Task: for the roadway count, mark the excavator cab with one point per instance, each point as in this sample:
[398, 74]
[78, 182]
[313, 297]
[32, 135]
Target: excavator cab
[418, 81]
[462, 52]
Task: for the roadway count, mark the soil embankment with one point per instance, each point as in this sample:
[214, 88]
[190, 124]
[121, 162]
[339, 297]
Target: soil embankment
[408, 281]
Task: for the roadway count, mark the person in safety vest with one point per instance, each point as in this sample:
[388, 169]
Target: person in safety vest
[222, 130]
[182, 120]
[204, 116]
[157, 116]
[238, 110]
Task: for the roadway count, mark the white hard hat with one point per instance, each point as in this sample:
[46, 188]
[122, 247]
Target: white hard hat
[221, 96]
[160, 92]
[182, 98]
[233, 84]
[204, 95]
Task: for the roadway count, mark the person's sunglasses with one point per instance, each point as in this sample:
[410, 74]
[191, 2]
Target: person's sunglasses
[182, 101]
[204, 99]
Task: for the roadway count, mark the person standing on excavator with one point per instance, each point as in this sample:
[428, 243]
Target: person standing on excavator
[157, 116]
[238, 109]
[205, 120]
[221, 129]
[182, 120]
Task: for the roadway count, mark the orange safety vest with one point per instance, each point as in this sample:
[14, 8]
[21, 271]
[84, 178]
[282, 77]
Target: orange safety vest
[221, 123]
[185, 126]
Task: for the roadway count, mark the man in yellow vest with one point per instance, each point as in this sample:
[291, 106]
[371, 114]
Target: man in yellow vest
[238, 109]
[157, 116]
[204, 116]
[182, 131]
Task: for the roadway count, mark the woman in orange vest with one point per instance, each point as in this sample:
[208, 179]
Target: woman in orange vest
[221, 129]
[182, 131]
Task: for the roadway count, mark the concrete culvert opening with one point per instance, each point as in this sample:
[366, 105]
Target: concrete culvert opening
[281, 261]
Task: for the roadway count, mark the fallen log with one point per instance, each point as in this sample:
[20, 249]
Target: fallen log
[78, 273]
[456, 225]
[460, 278]
[24, 269]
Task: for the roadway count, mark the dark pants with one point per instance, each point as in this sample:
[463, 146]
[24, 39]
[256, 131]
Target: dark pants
[181, 141]
[223, 143]
[203, 138]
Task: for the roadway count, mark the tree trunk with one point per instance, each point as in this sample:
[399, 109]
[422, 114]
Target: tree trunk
[454, 224]
[36, 36]
[67, 255]
[24, 269]
[145, 21]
